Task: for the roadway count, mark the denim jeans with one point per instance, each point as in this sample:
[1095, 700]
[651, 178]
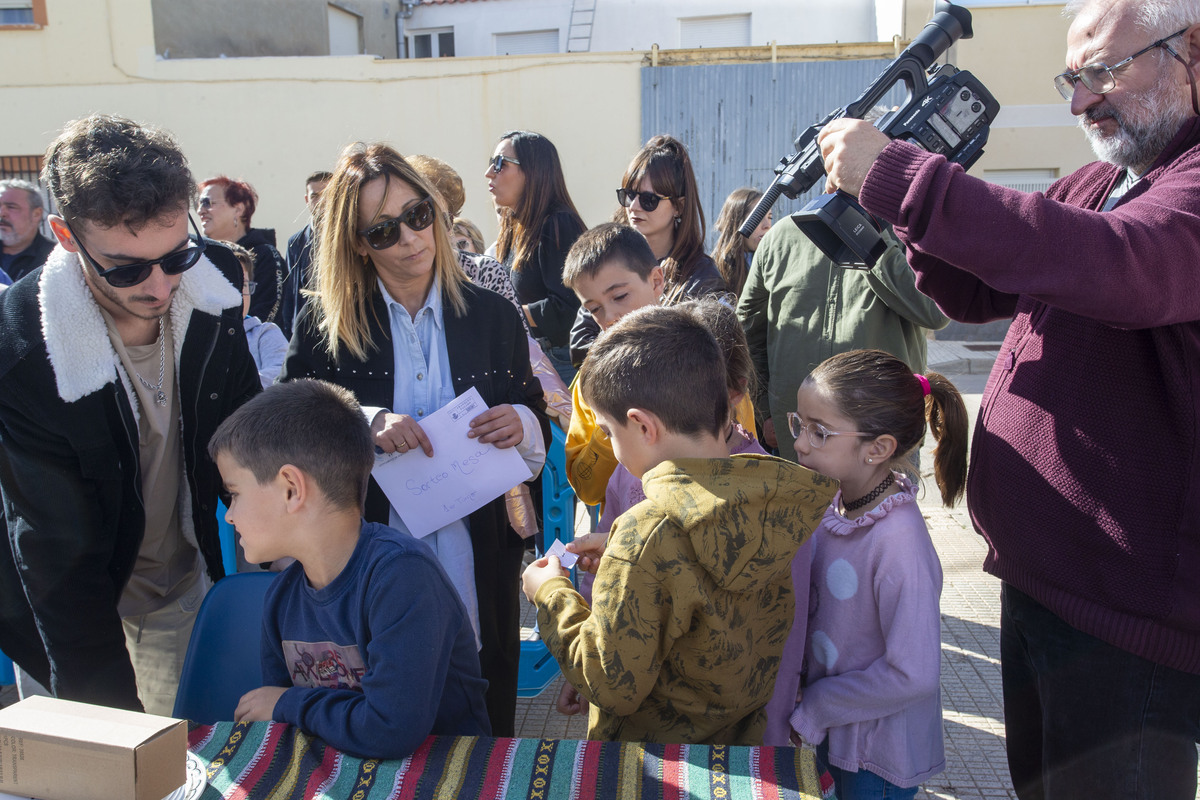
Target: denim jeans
[1084, 719]
[861, 785]
[560, 358]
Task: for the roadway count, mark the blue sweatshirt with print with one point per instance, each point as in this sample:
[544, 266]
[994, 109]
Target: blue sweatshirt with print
[381, 657]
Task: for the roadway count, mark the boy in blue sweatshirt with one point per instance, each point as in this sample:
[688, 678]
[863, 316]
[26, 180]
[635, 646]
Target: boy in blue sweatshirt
[365, 641]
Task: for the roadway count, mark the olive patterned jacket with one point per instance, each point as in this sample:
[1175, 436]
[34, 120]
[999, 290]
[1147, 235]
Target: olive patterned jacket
[693, 602]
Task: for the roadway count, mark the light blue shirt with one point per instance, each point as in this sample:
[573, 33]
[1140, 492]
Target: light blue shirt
[423, 384]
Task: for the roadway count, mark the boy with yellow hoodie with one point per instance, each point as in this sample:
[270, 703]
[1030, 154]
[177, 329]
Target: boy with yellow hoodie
[693, 596]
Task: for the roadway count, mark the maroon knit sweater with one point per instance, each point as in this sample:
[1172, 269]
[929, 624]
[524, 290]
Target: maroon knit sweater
[1085, 467]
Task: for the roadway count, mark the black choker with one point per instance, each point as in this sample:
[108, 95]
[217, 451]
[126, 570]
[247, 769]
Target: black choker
[854, 505]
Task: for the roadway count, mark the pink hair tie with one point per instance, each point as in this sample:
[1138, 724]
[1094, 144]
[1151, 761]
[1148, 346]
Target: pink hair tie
[921, 379]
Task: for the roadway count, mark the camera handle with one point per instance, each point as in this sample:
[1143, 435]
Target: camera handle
[798, 172]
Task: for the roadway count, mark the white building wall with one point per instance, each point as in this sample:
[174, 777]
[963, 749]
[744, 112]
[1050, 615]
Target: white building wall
[639, 24]
[476, 23]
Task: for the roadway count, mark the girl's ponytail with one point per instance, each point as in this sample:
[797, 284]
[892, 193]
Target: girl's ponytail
[947, 417]
[883, 396]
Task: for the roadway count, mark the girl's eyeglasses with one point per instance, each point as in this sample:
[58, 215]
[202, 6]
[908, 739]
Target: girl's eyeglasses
[817, 433]
[126, 275]
[648, 200]
[496, 164]
[383, 235]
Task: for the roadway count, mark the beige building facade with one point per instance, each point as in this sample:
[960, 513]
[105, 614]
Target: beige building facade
[272, 121]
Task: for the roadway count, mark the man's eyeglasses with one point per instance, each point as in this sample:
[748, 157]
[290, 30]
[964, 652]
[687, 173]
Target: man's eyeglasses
[383, 235]
[1099, 78]
[817, 433]
[496, 164]
[648, 200]
[126, 275]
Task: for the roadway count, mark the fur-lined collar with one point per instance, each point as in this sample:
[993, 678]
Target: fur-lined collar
[81, 355]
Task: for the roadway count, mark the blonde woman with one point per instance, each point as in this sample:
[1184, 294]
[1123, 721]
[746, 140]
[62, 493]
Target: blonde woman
[394, 319]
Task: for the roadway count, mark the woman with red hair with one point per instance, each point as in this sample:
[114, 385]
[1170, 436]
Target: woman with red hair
[225, 209]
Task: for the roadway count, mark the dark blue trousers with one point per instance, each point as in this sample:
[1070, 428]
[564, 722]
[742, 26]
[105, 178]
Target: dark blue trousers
[1084, 719]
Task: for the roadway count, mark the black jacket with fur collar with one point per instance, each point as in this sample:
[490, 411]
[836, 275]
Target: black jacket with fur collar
[69, 472]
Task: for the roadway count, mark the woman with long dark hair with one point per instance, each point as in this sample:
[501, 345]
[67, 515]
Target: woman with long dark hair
[662, 203]
[394, 319]
[734, 251]
[538, 225]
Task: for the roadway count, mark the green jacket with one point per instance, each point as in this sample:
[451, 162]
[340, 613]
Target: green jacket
[693, 602]
[799, 309]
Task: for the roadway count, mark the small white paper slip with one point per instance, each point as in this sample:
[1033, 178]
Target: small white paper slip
[462, 476]
[565, 556]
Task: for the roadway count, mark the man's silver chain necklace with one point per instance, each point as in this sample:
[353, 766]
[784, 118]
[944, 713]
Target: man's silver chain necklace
[160, 397]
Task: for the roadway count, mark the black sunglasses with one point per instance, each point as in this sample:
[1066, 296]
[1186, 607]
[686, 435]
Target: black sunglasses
[496, 164]
[383, 235]
[126, 275]
[648, 200]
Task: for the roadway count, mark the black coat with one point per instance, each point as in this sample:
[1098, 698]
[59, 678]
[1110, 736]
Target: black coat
[299, 259]
[487, 349]
[269, 270]
[69, 472]
[31, 257]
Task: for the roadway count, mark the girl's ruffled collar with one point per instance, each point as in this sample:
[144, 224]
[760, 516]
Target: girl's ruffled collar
[835, 522]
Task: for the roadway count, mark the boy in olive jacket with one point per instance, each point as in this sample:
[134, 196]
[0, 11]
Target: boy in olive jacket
[693, 596]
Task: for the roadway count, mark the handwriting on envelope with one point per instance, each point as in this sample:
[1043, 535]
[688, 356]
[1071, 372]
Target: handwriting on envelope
[462, 476]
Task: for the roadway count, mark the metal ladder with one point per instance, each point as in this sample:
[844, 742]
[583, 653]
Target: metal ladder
[579, 35]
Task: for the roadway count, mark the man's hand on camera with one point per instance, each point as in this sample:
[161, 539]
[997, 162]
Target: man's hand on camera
[849, 147]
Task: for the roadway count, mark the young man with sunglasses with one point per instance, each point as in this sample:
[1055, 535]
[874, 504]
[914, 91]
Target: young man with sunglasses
[1085, 469]
[118, 359]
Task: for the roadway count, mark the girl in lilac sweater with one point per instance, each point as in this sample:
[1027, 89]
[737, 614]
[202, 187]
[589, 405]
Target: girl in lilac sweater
[868, 679]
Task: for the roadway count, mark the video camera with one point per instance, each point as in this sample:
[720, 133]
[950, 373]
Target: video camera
[947, 111]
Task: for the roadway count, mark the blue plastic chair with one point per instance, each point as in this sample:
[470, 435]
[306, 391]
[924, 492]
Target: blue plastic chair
[223, 659]
[538, 669]
[228, 540]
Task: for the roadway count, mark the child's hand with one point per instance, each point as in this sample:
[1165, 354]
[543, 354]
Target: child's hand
[570, 701]
[539, 572]
[589, 547]
[258, 705]
[499, 425]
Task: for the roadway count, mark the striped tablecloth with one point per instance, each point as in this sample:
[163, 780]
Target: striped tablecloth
[277, 761]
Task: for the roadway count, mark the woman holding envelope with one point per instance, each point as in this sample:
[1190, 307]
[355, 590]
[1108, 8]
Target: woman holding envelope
[394, 319]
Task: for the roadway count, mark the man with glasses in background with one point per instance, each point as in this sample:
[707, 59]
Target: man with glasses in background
[1085, 473]
[116, 365]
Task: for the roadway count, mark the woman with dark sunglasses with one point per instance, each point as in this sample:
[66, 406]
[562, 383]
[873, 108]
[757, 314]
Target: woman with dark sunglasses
[394, 319]
[661, 202]
[538, 225]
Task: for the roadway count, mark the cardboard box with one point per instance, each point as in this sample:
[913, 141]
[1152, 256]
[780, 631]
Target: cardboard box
[58, 750]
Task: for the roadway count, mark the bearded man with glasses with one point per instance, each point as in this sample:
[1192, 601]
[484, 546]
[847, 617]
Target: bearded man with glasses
[118, 359]
[1085, 469]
